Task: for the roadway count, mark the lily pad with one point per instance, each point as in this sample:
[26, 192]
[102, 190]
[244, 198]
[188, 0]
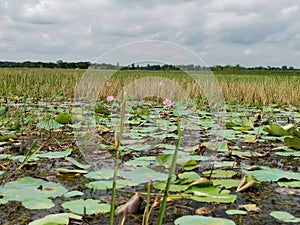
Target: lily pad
[141, 161]
[55, 155]
[269, 175]
[226, 183]
[293, 153]
[63, 118]
[49, 125]
[73, 194]
[142, 174]
[276, 130]
[293, 184]
[105, 184]
[38, 203]
[56, 219]
[235, 212]
[292, 142]
[103, 174]
[202, 220]
[28, 187]
[285, 217]
[211, 194]
[188, 177]
[88, 206]
[221, 173]
[78, 164]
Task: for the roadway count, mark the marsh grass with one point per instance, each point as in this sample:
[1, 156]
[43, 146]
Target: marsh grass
[237, 89]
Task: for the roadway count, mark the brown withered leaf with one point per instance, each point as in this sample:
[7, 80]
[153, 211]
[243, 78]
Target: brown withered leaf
[203, 211]
[246, 183]
[250, 208]
[132, 205]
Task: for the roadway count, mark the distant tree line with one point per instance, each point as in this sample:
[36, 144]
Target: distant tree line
[228, 69]
[52, 65]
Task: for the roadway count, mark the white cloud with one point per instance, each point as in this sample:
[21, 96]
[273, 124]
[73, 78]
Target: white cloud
[222, 31]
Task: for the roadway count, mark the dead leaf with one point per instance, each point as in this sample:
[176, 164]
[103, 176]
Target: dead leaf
[250, 208]
[203, 211]
[202, 182]
[246, 183]
[132, 205]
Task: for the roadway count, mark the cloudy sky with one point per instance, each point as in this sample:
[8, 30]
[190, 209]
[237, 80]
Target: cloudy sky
[222, 32]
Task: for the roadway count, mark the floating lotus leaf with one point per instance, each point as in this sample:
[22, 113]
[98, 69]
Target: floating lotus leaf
[55, 219]
[63, 118]
[269, 175]
[28, 188]
[235, 212]
[55, 155]
[211, 194]
[88, 206]
[276, 130]
[292, 142]
[38, 203]
[285, 217]
[202, 220]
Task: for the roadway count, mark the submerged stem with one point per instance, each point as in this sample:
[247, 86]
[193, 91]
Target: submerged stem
[171, 173]
[118, 139]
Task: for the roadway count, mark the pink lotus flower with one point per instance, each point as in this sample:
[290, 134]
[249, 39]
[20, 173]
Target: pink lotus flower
[110, 98]
[167, 103]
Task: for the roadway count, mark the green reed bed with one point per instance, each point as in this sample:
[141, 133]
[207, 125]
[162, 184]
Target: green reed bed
[237, 89]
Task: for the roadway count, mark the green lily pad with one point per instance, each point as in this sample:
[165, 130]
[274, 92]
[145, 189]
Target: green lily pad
[55, 155]
[77, 164]
[38, 203]
[21, 158]
[105, 184]
[235, 212]
[3, 110]
[88, 206]
[211, 194]
[3, 201]
[142, 174]
[276, 130]
[164, 160]
[292, 142]
[4, 156]
[190, 165]
[28, 187]
[274, 175]
[161, 185]
[188, 177]
[49, 125]
[63, 118]
[202, 220]
[293, 153]
[285, 217]
[226, 183]
[103, 174]
[73, 194]
[221, 173]
[56, 219]
[141, 161]
[292, 184]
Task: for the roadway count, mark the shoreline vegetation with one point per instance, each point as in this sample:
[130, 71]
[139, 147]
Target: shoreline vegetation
[239, 86]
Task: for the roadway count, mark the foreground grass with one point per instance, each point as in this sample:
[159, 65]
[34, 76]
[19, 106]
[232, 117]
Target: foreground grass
[237, 89]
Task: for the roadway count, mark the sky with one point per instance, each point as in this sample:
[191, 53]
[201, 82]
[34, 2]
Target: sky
[221, 32]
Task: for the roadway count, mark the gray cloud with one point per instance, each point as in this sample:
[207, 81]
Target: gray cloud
[221, 31]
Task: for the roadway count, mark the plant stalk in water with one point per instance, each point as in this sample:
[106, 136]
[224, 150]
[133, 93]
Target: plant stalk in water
[171, 173]
[118, 139]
